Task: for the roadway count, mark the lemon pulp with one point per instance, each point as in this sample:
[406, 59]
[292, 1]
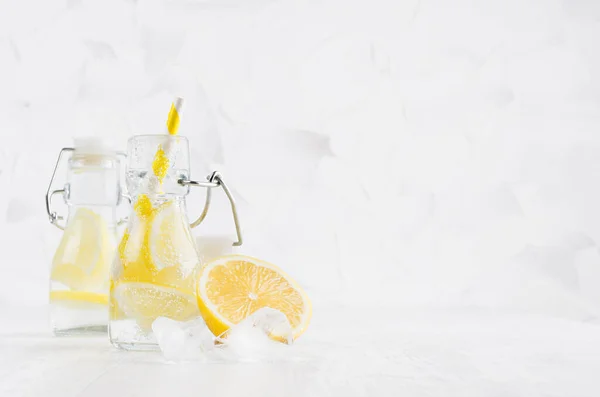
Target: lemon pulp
[232, 287]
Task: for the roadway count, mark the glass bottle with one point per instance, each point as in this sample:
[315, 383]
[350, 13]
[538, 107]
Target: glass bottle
[79, 277]
[154, 271]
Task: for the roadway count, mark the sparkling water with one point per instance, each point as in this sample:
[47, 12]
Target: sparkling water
[139, 180]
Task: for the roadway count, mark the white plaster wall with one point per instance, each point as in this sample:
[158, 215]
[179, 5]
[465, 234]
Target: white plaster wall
[388, 152]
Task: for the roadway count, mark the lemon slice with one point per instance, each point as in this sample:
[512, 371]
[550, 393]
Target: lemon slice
[134, 254]
[132, 247]
[78, 296]
[232, 287]
[171, 242]
[146, 301]
[82, 259]
[176, 277]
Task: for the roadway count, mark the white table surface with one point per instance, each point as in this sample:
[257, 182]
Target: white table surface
[412, 353]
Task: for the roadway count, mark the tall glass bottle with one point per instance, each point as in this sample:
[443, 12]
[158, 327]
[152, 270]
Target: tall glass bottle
[79, 277]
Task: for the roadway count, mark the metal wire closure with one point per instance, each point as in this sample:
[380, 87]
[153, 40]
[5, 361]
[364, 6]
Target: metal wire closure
[215, 180]
[53, 216]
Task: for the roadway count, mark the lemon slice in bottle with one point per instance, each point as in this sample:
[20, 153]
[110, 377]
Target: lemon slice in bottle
[76, 297]
[84, 254]
[145, 302]
[171, 242]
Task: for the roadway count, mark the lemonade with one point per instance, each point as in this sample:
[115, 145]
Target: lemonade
[79, 275]
[154, 271]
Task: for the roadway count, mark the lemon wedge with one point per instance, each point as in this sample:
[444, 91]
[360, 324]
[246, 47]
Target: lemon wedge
[134, 254]
[171, 242]
[145, 302]
[78, 296]
[84, 254]
[232, 287]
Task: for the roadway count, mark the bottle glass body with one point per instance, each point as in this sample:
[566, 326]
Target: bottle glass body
[79, 276]
[153, 274]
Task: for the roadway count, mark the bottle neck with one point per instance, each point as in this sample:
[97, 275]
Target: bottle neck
[144, 181]
[94, 187]
[102, 215]
[92, 179]
[145, 206]
[159, 198]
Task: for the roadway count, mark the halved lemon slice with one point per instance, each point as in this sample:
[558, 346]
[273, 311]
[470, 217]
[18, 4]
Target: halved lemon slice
[232, 287]
[134, 255]
[83, 257]
[78, 296]
[171, 242]
[145, 302]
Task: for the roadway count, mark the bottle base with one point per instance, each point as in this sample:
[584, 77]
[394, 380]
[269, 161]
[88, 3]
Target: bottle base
[127, 335]
[142, 347]
[70, 319]
[94, 330]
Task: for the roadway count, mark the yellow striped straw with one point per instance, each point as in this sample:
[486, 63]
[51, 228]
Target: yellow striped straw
[173, 120]
[160, 165]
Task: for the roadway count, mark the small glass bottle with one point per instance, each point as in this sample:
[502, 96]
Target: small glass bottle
[154, 273]
[79, 277]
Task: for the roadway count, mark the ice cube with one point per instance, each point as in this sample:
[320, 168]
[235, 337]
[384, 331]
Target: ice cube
[183, 340]
[262, 336]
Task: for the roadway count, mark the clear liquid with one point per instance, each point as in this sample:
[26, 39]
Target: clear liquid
[139, 180]
[79, 276]
[74, 317]
[154, 271]
[128, 335]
